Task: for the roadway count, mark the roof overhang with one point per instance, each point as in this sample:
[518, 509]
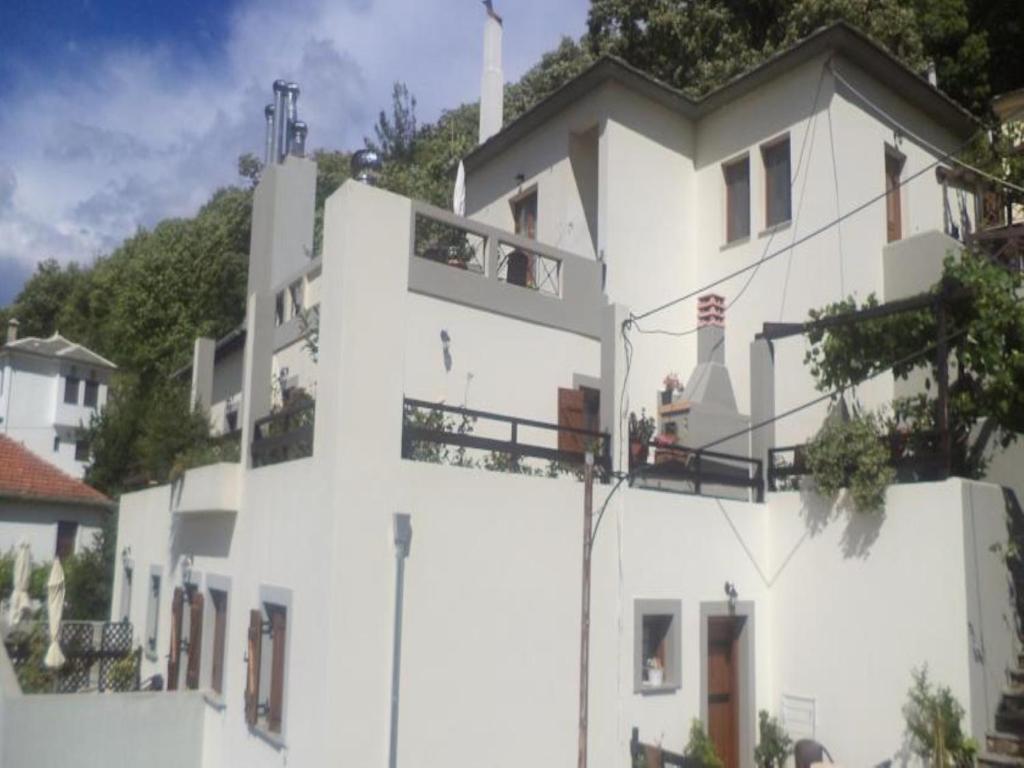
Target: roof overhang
[838, 39]
[104, 506]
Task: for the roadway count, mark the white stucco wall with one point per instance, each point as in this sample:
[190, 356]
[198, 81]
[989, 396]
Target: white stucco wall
[36, 523]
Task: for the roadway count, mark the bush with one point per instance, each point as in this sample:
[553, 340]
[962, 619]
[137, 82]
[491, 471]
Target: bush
[33, 675]
[853, 454]
[774, 744]
[933, 718]
[700, 747]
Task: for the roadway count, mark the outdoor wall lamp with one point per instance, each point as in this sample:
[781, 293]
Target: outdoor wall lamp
[732, 594]
[127, 561]
[186, 571]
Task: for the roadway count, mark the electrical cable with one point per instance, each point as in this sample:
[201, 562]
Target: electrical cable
[922, 141]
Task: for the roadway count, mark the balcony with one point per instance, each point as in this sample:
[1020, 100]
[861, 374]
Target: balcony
[213, 489]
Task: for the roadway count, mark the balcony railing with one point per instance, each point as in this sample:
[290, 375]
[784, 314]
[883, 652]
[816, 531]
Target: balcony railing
[705, 472]
[285, 435]
[426, 426]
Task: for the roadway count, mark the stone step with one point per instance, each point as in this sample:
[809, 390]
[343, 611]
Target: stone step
[999, 761]
[1010, 721]
[1010, 744]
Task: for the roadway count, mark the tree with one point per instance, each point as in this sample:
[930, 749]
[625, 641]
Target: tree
[39, 305]
[250, 168]
[396, 135]
[985, 329]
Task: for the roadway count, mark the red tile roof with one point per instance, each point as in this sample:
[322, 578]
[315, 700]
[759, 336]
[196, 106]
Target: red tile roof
[25, 475]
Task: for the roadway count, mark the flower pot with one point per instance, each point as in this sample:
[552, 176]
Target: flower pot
[666, 397]
[637, 452]
[655, 676]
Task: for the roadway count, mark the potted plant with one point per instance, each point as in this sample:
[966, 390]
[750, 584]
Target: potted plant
[655, 671]
[641, 430]
[672, 386]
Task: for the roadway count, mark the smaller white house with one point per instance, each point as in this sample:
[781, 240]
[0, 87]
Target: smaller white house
[49, 390]
[55, 513]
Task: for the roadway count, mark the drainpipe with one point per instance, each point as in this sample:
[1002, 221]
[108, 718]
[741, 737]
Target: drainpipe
[403, 538]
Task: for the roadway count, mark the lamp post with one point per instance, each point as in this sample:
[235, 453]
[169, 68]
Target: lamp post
[588, 540]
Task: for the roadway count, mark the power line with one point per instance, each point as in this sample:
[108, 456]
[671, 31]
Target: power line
[799, 241]
[922, 141]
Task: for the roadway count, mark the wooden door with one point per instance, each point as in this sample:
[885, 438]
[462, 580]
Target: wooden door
[174, 656]
[220, 625]
[893, 208]
[723, 688]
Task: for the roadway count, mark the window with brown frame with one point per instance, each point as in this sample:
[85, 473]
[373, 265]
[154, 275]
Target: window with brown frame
[266, 667]
[195, 639]
[777, 183]
[520, 263]
[578, 409]
[219, 601]
[893, 203]
[737, 199]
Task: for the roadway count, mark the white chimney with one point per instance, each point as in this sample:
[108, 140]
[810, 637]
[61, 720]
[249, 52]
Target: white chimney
[932, 74]
[12, 331]
[492, 84]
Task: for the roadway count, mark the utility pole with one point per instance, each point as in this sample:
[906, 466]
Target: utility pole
[588, 540]
[942, 376]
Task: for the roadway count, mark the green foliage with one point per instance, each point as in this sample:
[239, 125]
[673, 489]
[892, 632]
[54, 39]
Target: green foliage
[250, 167]
[33, 675]
[933, 718]
[852, 454]
[774, 745]
[700, 747]
[985, 327]
[124, 672]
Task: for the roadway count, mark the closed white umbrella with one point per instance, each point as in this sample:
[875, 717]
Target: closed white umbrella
[19, 595]
[459, 196]
[54, 610]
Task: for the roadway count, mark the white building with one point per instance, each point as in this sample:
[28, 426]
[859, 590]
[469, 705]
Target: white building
[340, 602]
[56, 514]
[49, 390]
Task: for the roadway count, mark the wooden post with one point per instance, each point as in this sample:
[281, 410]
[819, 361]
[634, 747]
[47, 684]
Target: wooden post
[588, 540]
[942, 376]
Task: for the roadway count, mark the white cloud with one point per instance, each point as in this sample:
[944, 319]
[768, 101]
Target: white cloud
[140, 134]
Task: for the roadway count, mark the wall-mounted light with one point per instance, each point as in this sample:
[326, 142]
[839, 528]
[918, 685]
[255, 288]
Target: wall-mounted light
[187, 562]
[520, 178]
[127, 561]
[732, 594]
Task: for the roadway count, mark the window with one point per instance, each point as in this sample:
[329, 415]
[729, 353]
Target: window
[194, 649]
[71, 389]
[264, 694]
[67, 531]
[520, 268]
[279, 308]
[92, 393]
[777, 183]
[153, 615]
[893, 203]
[737, 199]
[295, 293]
[219, 604]
[656, 638]
[56, 443]
[231, 419]
[81, 450]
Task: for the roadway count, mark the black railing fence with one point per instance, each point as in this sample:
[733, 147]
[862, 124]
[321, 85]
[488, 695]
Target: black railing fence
[285, 435]
[701, 469]
[418, 434]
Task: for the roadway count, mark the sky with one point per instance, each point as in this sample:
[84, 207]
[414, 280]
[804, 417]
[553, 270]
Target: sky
[115, 114]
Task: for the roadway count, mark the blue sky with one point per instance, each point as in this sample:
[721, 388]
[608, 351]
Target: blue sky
[119, 113]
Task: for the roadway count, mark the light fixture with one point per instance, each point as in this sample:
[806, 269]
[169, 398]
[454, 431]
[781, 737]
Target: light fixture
[127, 561]
[732, 594]
[186, 571]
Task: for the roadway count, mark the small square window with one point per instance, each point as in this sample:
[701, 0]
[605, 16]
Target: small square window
[67, 533]
[279, 308]
[81, 450]
[295, 294]
[153, 615]
[56, 443]
[657, 664]
[737, 199]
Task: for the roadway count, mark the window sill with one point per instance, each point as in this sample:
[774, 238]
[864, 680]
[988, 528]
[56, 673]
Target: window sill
[273, 739]
[215, 700]
[733, 243]
[657, 690]
[775, 228]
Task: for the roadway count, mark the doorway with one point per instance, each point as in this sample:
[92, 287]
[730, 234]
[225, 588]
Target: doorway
[727, 701]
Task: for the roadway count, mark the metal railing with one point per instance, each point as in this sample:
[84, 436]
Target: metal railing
[921, 462]
[285, 435]
[701, 468]
[415, 435]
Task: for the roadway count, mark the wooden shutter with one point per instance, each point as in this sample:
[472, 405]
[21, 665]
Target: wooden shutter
[893, 212]
[571, 414]
[278, 631]
[220, 619]
[174, 657]
[195, 641]
[252, 677]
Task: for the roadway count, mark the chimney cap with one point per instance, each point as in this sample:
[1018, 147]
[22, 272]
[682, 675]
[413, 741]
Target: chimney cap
[491, 12]
[291, 88]
[280, 85]
[710, 310]
[268, 111]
